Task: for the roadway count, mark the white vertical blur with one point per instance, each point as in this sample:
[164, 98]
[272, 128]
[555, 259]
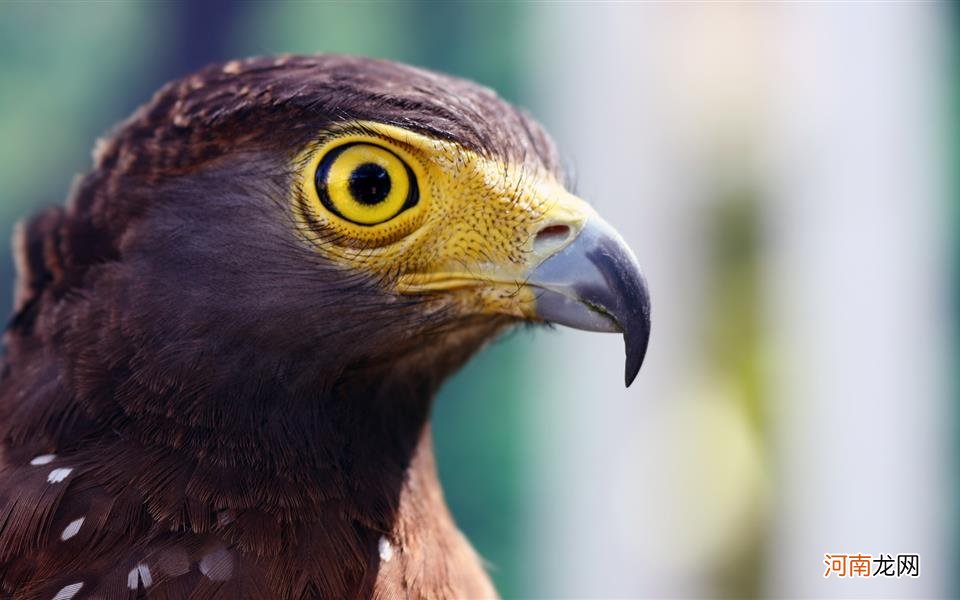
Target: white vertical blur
[858, 240]
[633, 506]
[831, 110]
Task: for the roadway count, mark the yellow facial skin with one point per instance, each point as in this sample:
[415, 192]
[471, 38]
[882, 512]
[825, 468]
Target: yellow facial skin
[469, 237]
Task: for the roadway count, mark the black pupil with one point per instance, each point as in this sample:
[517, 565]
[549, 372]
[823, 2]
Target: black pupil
[369, 184]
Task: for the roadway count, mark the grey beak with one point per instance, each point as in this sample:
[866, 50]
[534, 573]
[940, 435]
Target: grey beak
[595, 283]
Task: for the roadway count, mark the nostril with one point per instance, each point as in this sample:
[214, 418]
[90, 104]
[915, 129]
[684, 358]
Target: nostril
[550, 238]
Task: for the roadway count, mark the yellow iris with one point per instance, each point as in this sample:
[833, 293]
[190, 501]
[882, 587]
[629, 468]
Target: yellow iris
[364, 183]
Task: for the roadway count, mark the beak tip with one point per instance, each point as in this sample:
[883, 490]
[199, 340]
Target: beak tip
[636, 350]
[630, 376]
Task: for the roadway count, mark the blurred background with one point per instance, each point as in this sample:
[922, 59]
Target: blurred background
[787, 174]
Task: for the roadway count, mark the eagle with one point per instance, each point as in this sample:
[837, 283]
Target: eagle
[219, 370]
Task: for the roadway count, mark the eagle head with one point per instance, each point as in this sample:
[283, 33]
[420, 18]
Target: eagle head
[356, 211]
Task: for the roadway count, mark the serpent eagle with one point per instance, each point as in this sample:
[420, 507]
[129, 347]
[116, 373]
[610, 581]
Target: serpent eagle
[219, 370]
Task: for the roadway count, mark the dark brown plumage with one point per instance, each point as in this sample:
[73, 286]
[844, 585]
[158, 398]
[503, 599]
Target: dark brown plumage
[194, 402]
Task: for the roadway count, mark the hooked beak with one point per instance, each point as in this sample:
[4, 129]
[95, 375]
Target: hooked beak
[594, 283]
[576, 271]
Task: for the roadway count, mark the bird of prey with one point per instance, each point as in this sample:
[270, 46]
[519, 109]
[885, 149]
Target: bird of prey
[219, 370]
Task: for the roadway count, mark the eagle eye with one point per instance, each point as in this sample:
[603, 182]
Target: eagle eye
[365, 184]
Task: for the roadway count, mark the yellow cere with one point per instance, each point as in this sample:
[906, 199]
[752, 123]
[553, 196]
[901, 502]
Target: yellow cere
[469, 235]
